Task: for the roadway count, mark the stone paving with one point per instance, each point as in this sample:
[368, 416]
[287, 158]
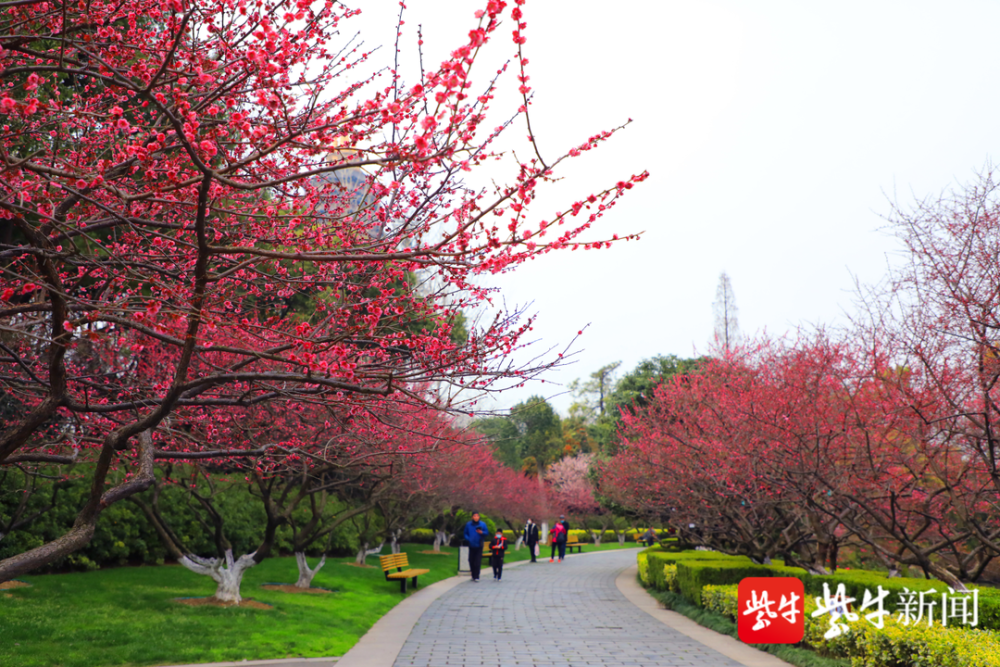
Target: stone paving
[549, 614]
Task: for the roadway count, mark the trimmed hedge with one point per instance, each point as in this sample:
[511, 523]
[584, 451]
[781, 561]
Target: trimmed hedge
[693, 575]
[856, 581]
[799, 655]
[658, 558]
[720, 599]
[643, 561]
[670, 578]
[895, 645]
[696, 569]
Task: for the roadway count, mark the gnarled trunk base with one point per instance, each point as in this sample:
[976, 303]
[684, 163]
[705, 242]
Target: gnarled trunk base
[226, 572]
[394, 540]
[364, 552]
[305, 574]
[441, 538]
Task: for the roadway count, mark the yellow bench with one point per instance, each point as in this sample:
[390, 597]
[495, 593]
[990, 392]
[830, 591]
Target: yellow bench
[401, 564]
[574, 541]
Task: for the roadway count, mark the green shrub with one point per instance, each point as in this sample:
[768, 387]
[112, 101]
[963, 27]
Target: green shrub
[720, 599]
[856, 581]
[726, 570]
[895, 645]
[123, 534]
[421, 536]
[670, 577]
[658, 558]
[643, 562]
[693, 574]
[989, 608]
[671, 544]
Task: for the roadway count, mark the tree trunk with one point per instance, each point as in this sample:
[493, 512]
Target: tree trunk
[945, 575]
[519, 543]
[305, 574]
[811, 565]
[441, 538]
[621, 539]
[543, 536]
[597, 535]
[364, 552]
[226, 572]
[394, 540]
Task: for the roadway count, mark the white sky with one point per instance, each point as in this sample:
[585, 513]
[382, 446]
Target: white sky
[776, 134]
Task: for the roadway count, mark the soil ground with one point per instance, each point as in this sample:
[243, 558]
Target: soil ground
[291, 588]
[12, 584]
[246, 603]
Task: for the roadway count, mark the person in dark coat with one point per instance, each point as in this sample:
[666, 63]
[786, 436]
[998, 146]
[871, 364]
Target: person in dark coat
[561, 537]
[531, 537]
[553, 532]
[475, 533]
[498, 549]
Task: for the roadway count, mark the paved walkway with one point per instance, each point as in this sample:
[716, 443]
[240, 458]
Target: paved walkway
[550, 614]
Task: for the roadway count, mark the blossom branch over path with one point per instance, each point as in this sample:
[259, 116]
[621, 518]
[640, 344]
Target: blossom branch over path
[204, 206]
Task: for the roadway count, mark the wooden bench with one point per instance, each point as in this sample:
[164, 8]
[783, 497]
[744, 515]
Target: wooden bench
[401, 564]
[574, 541]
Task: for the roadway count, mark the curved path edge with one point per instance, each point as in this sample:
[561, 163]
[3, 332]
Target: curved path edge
[380, 646]
[283, 662]
[731, 648]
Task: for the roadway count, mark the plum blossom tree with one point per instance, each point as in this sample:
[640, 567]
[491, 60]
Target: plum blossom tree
[794, 449]
[571, 489]
[175, 238]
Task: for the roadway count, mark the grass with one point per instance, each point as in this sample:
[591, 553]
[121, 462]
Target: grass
[800, 657]
[127, 616]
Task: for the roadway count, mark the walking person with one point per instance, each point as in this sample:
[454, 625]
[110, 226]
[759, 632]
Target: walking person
[475, 533]
[561, 536]
[498, 547]
[558, 538]
[532, 538]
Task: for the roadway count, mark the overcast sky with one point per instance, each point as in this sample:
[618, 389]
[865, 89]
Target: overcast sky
[776, 134]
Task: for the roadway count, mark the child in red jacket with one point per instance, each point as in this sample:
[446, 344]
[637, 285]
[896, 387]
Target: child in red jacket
[499, 548]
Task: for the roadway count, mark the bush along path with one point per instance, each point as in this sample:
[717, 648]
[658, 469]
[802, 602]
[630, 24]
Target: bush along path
[703, 586]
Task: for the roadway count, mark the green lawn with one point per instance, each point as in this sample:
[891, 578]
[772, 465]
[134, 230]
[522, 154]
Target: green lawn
[127, 616]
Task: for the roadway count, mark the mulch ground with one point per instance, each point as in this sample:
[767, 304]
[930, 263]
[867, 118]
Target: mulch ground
[291, 588]
[246, 603]
[13, 584]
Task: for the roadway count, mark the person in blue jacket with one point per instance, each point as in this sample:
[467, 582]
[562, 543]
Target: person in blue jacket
[475, 532]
